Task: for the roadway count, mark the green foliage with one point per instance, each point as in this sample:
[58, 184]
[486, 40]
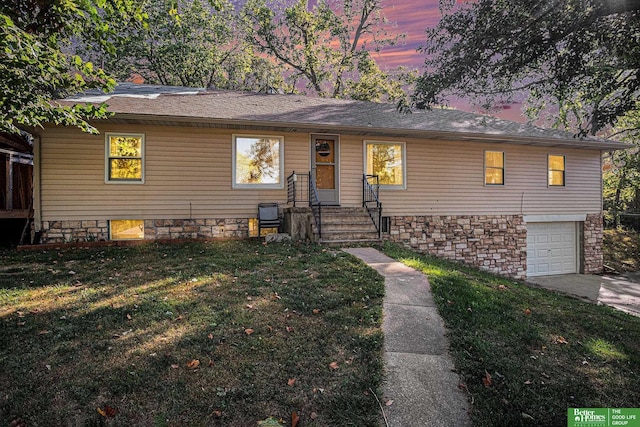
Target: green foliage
[188, 43]
[35, 66]
[578, 59]
[621, 189]
[327, 46]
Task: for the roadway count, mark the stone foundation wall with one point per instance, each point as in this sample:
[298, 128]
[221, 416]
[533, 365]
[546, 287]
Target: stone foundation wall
[592, 234]
[495, 243]
[87, 231]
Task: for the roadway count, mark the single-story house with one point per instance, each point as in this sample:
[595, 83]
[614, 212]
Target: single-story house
[177, 162]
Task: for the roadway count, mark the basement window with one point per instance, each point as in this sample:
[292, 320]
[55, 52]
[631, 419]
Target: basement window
[126, 229]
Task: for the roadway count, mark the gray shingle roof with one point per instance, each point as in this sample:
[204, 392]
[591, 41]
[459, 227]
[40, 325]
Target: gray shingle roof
[249, 110]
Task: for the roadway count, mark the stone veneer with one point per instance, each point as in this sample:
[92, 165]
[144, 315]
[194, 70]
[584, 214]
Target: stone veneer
[495, 243]
[592, 234]
[85, 231]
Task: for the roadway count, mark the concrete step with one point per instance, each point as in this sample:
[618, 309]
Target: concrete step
[349, 235]
[350, 242]
[348, 225]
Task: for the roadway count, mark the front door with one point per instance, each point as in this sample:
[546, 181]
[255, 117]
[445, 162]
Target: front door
[325, 167]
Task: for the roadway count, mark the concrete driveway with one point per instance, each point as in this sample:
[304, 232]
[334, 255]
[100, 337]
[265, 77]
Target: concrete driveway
[621, 292]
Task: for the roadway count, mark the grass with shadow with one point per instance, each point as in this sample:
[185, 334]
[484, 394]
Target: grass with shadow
[524, 354]
[196, 334]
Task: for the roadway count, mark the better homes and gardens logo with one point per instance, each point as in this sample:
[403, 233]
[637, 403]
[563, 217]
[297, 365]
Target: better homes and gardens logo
[603, 417]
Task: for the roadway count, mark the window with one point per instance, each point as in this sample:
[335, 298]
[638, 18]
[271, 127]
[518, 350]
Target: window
[126, 229]
[494, 168]
[386, 159]
[125, 162]
[556, 170]
[257, 162]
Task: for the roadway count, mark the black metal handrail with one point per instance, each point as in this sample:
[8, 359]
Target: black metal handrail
[298, 188]
[371, 200]
[314, 203]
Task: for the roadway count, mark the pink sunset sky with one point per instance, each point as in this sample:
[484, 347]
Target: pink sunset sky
[411, 18]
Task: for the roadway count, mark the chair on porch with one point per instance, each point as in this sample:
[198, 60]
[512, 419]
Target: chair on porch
[268, 217]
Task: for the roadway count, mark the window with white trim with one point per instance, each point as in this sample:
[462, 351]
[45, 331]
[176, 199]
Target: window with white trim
[387, 160]
[124, 157]
[258, 161]
[494, 167]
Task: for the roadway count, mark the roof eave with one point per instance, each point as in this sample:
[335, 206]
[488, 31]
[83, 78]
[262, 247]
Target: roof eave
[602, 145]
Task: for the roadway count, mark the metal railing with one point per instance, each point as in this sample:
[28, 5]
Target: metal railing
[301, 189]
[314, 203]
[298, 188]
[371, 200]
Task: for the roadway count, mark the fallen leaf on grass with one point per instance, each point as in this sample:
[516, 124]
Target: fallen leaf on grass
[502, 287]
[291, 382]
[248, 331]
[128, 316]
[217, 413]
[316, 310]
[333, 365]
[250, 306]
[527, 382]
[20, 313]
[175, 366]
[44, 332]
[388, 402]
[486, 380]
[560, 340]
[289, 329]
[210, 336]
[107, 411]
[527, 311]
[275, 296]
[295, 419]
[193, 364]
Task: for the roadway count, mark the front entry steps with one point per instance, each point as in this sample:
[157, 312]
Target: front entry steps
[345, 225]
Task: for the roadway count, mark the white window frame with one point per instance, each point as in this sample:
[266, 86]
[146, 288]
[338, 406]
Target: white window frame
[404, 162]
[235, 185]
[564, 175]
[107, 158]
[504, 169]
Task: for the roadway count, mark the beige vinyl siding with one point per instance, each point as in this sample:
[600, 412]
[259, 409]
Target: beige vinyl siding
[351, 170]
[183, 166]
[446, 178]
[193, 166]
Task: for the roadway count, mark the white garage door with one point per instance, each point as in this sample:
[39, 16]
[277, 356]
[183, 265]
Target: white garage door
[551, 248]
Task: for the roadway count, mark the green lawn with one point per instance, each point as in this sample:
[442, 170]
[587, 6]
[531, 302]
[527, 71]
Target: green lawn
[525, 354]
[223, 334]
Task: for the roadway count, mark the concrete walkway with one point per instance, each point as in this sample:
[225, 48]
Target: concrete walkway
[620, 292]
[419, 371]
